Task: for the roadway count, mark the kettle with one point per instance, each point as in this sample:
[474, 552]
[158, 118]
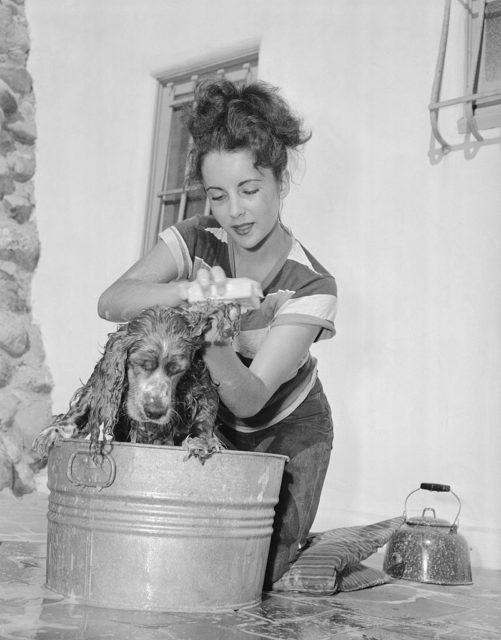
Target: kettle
[429, 549]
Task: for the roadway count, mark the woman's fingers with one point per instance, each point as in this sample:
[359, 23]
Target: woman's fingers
[215, 276]
[219, 279]
[204, 281]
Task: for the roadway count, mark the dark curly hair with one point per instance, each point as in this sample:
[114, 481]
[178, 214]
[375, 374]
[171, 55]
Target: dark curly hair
[227, 117]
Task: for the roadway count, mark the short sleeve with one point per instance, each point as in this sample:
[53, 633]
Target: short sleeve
[197, 242]
[176, 241]
[305, 294]
[311, 308]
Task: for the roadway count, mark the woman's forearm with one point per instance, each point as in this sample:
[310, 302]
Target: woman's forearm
[127, 297]
[241, 390]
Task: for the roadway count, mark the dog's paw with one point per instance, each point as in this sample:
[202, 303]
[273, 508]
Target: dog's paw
[201, 447]
[48, 436]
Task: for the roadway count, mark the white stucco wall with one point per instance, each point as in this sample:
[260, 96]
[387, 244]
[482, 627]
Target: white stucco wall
[413, 374]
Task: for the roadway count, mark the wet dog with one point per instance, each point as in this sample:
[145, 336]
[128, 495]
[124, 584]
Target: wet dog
[151, 385]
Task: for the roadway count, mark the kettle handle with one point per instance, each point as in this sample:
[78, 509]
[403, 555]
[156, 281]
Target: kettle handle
[432, 486]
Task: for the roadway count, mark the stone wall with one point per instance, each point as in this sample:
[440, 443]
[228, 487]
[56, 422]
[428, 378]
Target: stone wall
[25, 383]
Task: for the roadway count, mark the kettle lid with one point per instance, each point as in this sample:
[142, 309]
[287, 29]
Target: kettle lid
[430, 521]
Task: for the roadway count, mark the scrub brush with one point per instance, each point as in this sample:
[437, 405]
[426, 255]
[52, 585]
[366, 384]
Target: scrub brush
[244, 291]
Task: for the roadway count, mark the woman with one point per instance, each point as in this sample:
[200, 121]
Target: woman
[270, 397]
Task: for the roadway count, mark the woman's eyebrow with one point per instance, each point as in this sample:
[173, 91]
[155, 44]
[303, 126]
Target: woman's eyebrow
[240, 184]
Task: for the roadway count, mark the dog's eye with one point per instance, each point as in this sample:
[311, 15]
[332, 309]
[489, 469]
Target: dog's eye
[146, 365]
[174, 367]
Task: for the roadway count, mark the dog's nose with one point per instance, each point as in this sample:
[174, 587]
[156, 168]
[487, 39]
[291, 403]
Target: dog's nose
[153, 412]
[154, 407]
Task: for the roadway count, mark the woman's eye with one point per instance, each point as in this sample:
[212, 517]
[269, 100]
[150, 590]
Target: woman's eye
[251, 192]
[217, 198]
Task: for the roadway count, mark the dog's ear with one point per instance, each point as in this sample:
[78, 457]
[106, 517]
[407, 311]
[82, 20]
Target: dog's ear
[107, 384]
[224, 317]
[199, 322]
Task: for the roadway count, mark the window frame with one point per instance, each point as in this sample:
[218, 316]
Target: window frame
[486, 112]
[174, 85]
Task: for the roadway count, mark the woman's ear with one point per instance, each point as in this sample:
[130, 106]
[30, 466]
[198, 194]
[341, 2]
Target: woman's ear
[285, 183]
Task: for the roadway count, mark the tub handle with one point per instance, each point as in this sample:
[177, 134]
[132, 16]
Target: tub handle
[86, 472]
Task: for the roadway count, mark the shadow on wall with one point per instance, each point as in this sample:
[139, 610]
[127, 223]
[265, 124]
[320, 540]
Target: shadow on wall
[25, 383]
[470, 148]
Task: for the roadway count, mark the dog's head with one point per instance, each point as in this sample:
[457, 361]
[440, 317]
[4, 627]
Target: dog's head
[163, 342]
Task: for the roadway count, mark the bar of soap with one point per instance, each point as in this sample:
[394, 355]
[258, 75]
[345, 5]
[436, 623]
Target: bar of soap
[245, 291]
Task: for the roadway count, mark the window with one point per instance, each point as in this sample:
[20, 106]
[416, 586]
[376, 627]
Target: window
[483, 64]
[482, 95]
[169, 199]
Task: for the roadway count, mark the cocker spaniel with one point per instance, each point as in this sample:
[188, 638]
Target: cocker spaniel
[151, 385]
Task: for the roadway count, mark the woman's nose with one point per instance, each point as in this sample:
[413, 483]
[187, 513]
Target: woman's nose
[236, 207]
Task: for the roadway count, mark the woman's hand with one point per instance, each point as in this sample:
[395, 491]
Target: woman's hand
[226, 319]
[225, 323]
[213, 285]
[201, 287]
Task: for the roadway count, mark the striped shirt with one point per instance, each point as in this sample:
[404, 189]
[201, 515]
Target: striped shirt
[298, 290]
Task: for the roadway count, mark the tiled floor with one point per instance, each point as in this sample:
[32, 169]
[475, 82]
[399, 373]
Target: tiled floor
[396, 611]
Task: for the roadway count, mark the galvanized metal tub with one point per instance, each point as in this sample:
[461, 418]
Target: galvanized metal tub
[149, 530]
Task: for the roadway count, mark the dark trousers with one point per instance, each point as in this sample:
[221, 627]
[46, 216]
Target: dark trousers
[305, 436]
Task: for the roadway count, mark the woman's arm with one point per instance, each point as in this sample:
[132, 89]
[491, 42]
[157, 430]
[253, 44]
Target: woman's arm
[245, 390]
[150, 281]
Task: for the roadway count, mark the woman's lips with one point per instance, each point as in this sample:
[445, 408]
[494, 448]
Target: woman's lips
[243, 229]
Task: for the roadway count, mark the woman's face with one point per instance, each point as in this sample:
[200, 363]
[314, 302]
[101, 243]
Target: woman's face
[245, 200]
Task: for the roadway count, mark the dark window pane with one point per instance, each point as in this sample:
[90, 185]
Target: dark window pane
[195, 203]
[194, 206]
[169, 215]
[178, 150]
[493, 41]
